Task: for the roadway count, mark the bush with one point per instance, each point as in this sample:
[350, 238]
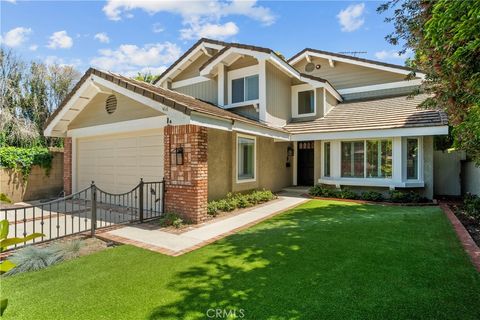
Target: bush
[347, 194]
[239, 200]
[372, 196]
[322, 191]
[172, 219]
[5, 198]
[405, 197]
[471, 204]
[22, 159]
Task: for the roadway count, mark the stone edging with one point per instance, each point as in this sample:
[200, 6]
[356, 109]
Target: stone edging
[384, 203]
[467, 242]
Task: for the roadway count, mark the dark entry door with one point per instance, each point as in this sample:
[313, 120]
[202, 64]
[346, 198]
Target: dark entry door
[305, 163]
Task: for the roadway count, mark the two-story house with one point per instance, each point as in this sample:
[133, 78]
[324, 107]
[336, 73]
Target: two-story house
[228, 117]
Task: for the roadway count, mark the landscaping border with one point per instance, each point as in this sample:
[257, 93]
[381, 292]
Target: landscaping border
[385, 203]
[465, 238]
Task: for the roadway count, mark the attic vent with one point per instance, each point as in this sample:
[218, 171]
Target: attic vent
[111, 104]
[309, 67]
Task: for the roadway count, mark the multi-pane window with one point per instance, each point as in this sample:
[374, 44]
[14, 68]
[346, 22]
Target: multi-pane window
[326, 159]
[366, 159]
[306, 102]
[245, 89]
[246, 158]
[412, 158]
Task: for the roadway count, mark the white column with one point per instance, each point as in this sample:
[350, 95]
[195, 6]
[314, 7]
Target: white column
[262, 92]
[397, 156]
[221, 84]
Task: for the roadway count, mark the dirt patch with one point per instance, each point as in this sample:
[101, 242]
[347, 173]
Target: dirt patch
[472, 226]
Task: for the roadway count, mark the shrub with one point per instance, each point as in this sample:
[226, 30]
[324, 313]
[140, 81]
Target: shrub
[372, 196]
[347, 194]
[471, 204]
[172, 219]
[405, 197]
[5, 198]
[239, 200]
[226, 204]
[212, 208]
[322, 191]
[22, 159]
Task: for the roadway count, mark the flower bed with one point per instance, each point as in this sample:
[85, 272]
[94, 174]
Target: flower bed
[468, 213]
[239, 200]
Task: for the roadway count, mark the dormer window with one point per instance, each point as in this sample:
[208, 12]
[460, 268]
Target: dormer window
[245, 89]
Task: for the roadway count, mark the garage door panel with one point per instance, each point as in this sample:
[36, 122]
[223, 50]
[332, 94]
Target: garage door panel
[117, 162]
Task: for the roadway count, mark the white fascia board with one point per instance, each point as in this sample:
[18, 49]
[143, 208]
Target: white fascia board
[87, 85]
[366, 134]
[320, 84]
[119, 127]
[188, 82]
[175, 117]
[200, 119]
[353, 61]
[255, 54]
[383, 86]
[260, 131]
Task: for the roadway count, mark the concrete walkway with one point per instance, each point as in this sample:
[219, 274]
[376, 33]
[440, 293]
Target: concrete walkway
[177, 244]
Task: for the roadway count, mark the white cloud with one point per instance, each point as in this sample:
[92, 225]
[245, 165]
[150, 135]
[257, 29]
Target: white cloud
[76, 63]
[60, 39]
[33, 47]
[16, 37]
[157, 28]
[102, 37]
[351, 18]
[209, 30]
[196, 15]
[12, 1]
[392, 54]
[128, 59]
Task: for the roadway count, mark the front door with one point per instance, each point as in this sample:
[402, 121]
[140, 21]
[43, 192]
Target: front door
[305, 163]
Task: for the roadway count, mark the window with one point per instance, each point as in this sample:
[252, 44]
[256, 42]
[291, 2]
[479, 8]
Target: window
[367, 159]
[326, 159]
[379, 158]
[245, 89]
[246, 158]
[412, 158]
[353, 154]
[306, 102]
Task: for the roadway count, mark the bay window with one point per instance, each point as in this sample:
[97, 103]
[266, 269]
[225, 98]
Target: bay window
[412, 158]
[245, 158]
[366, 159]
[245, 89]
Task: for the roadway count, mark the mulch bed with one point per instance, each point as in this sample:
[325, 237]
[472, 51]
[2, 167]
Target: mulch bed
[472, 226]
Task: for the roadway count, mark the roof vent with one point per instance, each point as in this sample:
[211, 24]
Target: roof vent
[111, 104]
[309, 67]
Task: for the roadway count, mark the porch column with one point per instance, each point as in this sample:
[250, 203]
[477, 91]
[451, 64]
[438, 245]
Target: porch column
[397, 175]
[67, 165]
[186, 184]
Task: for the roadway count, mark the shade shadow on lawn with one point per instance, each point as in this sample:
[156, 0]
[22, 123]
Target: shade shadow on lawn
[322, 260]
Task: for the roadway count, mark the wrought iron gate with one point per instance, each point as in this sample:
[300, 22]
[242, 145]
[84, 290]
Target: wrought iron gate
[86, 211]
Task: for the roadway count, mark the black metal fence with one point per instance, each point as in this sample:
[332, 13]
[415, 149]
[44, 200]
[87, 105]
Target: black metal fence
[86, 211]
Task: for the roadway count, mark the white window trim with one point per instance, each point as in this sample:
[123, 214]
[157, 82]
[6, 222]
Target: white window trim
[419, 161]
[239, 135]
[322, 155]
[300, 88]
[242, 73]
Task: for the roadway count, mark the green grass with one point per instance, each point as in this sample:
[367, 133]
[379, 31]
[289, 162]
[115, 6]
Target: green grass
[321, 260]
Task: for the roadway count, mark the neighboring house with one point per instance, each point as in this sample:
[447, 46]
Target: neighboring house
[242, 117]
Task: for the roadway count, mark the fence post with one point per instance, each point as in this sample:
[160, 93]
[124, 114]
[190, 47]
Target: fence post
[163, 195]
[93, 190]
[140, 198]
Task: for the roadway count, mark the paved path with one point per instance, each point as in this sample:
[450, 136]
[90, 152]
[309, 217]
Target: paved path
[177, 244]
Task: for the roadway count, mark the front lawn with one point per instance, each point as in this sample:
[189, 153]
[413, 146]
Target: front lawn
[321, 260]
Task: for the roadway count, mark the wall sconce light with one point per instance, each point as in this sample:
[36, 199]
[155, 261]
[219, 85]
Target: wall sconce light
[290, 151]
[179, 156]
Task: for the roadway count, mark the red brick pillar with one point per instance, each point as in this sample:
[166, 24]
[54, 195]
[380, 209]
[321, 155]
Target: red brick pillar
[67, 166]
[186, 184]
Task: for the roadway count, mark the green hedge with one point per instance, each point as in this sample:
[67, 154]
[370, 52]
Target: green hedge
[396, 196]
[238, 200]
[471, 204]
[22, 159]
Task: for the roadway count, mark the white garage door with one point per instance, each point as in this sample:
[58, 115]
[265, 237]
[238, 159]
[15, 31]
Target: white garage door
[117, 162]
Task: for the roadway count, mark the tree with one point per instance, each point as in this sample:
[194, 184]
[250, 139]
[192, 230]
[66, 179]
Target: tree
[145, 77]
[445, 37]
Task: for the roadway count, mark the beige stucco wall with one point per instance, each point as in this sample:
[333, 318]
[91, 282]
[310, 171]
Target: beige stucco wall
[37, 186]
[271, 171]
[345, 75]
[127, 109]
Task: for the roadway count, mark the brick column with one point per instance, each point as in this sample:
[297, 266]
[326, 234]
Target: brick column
[67, 166]
[187, 184]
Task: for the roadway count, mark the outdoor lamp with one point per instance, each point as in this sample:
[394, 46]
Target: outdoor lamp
[179, 155]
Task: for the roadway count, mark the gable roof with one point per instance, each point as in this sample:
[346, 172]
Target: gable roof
[352, 59]
[178, 101]
[386, 113]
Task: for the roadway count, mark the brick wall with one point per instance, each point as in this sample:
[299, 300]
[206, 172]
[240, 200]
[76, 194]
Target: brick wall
[187, 184]
[67, 166]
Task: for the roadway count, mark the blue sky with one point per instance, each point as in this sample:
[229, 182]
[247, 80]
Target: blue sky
[128, 36]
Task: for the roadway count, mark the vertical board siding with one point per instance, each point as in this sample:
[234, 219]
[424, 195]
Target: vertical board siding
[278, 94]
[206, 91]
